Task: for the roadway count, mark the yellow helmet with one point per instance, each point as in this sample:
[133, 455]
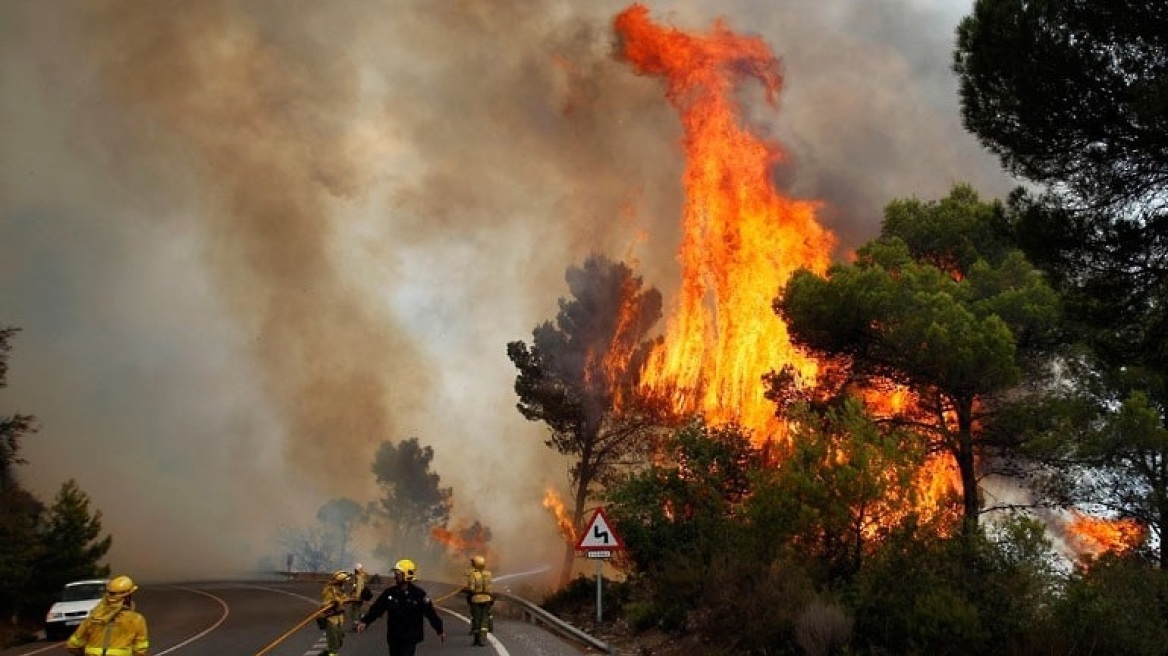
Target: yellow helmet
[408, 569]
[120, 587]
[339, 576]
[478, 562]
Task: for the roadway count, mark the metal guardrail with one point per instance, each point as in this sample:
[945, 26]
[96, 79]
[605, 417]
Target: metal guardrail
[535, 614]
[531, 612]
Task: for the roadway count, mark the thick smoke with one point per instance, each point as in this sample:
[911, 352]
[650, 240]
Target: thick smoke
[247, 242]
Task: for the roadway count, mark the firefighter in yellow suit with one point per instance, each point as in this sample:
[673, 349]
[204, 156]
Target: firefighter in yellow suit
[360, 594]
[332, 618]
[479, 596]
[113, 627]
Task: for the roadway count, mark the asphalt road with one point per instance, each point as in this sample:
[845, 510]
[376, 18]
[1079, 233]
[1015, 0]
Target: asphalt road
[243, 618]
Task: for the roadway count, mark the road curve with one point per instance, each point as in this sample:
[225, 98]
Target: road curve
[242, 618]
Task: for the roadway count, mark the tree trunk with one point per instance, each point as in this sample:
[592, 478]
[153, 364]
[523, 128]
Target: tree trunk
[577, 524]
[967, 466]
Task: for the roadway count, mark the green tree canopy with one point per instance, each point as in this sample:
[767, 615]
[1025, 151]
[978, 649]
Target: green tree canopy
[846, 480]
[951, 334]
[72, 541]
[1074, 97]
[1071, 93]
[681, 515]
[20, 547]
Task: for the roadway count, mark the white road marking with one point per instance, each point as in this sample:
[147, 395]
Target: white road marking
[311, 600]
[494, 642]
[222, 618]
[320, 646]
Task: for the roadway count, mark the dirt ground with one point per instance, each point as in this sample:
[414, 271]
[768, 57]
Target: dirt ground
[628, 643]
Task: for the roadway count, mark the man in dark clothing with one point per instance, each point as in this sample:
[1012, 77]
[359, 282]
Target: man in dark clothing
[404, 605]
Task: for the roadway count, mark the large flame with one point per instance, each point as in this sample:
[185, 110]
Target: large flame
[552, 501]
[464, 541]
[742, 238]
[1096, 535]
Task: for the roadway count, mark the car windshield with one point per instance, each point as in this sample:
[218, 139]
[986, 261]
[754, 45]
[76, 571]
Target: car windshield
[83, 591]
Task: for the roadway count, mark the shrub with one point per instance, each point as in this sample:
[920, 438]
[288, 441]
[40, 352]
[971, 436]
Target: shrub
[823, 628]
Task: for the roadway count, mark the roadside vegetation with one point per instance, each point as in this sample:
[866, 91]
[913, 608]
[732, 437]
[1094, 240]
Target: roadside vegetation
[1023, 341]
[43, 545]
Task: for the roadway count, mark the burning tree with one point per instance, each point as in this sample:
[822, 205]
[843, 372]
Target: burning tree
[742, 238]
[465, 541]
[940, 306]
[579, 376]
[413, 502]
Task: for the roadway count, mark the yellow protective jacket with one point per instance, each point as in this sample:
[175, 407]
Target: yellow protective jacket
[334, 598]
[360, 582]
[478, 586]
[112, 629]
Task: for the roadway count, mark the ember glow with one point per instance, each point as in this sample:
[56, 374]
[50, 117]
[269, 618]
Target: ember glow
[742, 239]
[466, 541]
[1096, 535]
[552, 501]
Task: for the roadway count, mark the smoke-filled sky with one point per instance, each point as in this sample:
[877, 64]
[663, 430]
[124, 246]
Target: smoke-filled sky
[248, 242]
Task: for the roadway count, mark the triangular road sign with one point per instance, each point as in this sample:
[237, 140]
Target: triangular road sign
[599, 535]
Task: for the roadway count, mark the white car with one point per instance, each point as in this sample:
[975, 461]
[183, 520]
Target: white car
[77, 599]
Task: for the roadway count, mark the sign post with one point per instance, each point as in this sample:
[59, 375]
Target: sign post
[598, 541]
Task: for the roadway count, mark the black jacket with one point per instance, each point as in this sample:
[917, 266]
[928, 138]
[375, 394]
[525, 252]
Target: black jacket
[404, 608]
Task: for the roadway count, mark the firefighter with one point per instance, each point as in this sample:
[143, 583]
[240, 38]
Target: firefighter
[479, 596]
[404, 605]
[360, 594]
[332, 617]
[113, 627]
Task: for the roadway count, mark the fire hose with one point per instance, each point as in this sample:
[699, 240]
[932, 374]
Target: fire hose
[303, 623]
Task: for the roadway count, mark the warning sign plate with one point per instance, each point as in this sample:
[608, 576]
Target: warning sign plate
[599, 534]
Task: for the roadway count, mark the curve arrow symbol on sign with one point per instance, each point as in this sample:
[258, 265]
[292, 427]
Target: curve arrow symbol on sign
[599, 535]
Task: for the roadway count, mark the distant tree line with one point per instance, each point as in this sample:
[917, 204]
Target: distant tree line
[410, 518]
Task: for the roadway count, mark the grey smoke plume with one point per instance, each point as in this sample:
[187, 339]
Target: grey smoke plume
[246, 242]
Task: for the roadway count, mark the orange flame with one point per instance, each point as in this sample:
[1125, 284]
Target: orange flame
[742, 239]
[465, 541]
[1095, 535]
[551, 501]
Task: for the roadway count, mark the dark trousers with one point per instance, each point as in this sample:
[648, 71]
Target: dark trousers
[334, 634]
[398, 648]
[478, 620]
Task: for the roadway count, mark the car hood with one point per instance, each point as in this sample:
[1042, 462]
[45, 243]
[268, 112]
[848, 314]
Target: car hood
[71, 607]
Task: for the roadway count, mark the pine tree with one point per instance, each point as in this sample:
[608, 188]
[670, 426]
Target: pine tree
[73, 546]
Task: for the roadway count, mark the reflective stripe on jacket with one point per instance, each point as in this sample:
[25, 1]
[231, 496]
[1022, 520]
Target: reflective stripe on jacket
[123, 635]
